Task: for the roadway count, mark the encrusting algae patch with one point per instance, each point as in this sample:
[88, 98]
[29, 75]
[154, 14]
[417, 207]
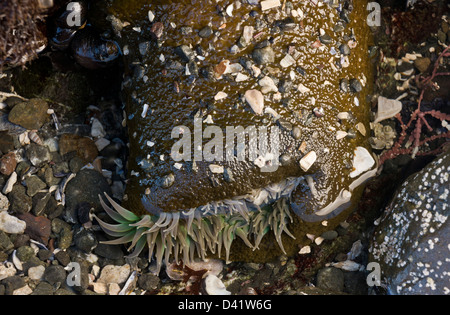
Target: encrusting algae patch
[296, 77]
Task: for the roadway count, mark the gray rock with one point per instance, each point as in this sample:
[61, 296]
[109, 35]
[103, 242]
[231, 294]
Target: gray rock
[62, 257]
[411, 241]
[13, 283]
[205, 32]
[37, 154]
[55, 274]
[263, 56]
[24, 253]
[325, 39]
[30, 115]
[330, 278]
[112, 252]
[19, 201]
[355, 86]
[34, 184]
[185, 53]
[85, 241]
[148, 282]
[86, 187]
[63, 233]
[344, 49]
[43, 288]
[5, 242]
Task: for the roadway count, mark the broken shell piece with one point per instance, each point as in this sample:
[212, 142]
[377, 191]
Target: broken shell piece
[343, 198]
[387, 108]
[269, 4]
[347, 265]
[362, 162]
[10, 183]
[214, 286]
[305, 250]
[341, 134]
[308, 160]
[216, 169]
[303, 89]
[220, 96]
[361, 128]
[343, 116]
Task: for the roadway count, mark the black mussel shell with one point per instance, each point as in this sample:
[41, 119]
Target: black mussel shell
[62, 38]
[92, 51]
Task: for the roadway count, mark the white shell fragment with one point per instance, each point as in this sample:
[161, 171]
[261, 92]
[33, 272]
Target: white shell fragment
[387, 108]
[269, 4]
[10, 183]
[362, 162]
[11, 224]
[220, 96]
[305, 250]
[216, 169]
[347, 265]
[308, 160]
[214, 286]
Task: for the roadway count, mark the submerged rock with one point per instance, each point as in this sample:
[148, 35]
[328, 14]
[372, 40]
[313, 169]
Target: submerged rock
[411, 241]
[187, 127]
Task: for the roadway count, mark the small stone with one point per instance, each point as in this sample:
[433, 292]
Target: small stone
[216, 169]
[329, 235]
[62, 257]
[148, 282]
[8, 164]
[269, 4]
[185, 53]
[355, 86]
[325, 39]
[55, 274]
[387, 108]
[34, 184]
[11, 224]
[344, 49]
[422, 64]
[63, 233]
[30, 115]
[25, 253]
[4, 202]
[268, 85]
[308, 160]
[114, 274]
[36, 273]
[296, 133]
[43, 288]
[38, 228]
[330, 278]
[85, 241]
[167, 181]
[157, 30]
[264, 56]
[256, 101]
[205, 32]
[37, 154]
[287, 61]
[19, 200]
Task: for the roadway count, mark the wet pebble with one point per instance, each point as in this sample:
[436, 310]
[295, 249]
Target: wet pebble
[263, 56]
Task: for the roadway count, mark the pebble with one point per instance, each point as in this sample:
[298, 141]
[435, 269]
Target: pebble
[263, 56]
[344, 49]
[422, 64]
[36, 273]
[287, 61]
[31, 114]
[185, 53]
[330, 278]
[256, 101]
[269, 4]
[11, 224]
[167, 181]
[4, 202]
[355, 86]
[38, 155]
[267, 85]
[54, 274]
[205, 32]
[114, 274]
[8, 164]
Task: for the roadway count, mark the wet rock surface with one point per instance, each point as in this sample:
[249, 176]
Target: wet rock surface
[39, 236]
[411, 240]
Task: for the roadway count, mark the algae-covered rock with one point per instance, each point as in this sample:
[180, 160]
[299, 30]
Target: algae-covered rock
[411, 241]
[187, 103]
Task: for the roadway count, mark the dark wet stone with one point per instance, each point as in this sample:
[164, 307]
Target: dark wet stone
[148, 282]
[63, 233]
[205, 32]
[37, 154]
[296, 133]
[62, 257]
[5, 242]
[411, 241]
[55, 274]
[30, 115]
[167, 181]
[422, 64]
[85, 240]
[355, 86]
[185, 53]
[19, 201]
[263, 56]
[13, 283]
[330, 278]
[24, 253]
[43, 288]
[112, 252]
[325, 39]
[329, 235]
[34, 184]
[40, 201]
[84, 147]
[8, 163]
[6, 142]
[86, 187]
